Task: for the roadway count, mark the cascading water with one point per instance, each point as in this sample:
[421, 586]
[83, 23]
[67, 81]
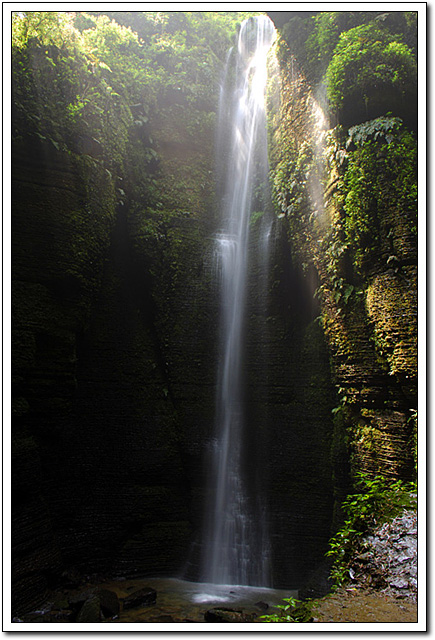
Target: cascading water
[235, 547]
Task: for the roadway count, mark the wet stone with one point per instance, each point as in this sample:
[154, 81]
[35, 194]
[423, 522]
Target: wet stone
[77, 600]
[109, 603]
[227, 615]
[90, 612]
[141, 598]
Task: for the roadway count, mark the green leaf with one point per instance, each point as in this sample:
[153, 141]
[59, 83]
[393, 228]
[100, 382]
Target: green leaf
[103, 65]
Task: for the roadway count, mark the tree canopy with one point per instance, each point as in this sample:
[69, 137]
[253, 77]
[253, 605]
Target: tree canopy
[84, 79]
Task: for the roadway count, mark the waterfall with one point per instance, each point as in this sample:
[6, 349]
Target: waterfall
[235, 546]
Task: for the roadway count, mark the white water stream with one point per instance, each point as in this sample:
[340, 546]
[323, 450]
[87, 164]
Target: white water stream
[235, 545]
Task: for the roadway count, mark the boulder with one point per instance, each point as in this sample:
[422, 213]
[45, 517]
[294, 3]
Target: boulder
[219, 614]
[90, 611]
[109, 603]
[140, 598]
[77, 600]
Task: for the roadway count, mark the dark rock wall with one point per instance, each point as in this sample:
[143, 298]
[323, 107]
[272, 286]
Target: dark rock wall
[63, 214]
[289, 425]
[111, 377]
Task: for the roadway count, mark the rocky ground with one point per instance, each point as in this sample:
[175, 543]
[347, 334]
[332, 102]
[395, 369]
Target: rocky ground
[104, 605]
[383, 578]
[388, 561]
[382, 588]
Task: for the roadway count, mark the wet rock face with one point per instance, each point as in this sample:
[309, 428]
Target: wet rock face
[97, 471]
[289, 398]
[366, 279]
[58, 247]
[389, 559]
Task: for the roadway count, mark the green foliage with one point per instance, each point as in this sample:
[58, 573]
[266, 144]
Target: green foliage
[402, 24]
[292, 611]
[48, 27]
[378, 186]
[312, 37]
[370, 66]
[255, 217]
[290, 179]
[181, 51]
[383, 127]
[380, 178]
[362, 222]
[77, 76]
[135, 92]
[61, 90]
[366, 60]
[328, 26]
[379, 500]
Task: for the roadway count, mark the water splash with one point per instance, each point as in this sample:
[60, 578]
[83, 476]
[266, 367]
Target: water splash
[235, 547]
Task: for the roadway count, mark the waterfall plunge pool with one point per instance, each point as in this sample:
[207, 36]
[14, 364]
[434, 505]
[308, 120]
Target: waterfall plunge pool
[184, 601]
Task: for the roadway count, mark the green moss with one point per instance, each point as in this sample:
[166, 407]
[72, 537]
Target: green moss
[371, 67]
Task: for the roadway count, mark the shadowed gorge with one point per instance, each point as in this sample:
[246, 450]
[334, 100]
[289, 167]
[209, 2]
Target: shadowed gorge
[214, 293]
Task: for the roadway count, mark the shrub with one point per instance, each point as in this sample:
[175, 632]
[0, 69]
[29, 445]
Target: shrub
[371, 73]
[379, 500]
[292, 611]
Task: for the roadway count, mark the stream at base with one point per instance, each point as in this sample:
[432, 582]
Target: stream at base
[182, 601]
[179, 601]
